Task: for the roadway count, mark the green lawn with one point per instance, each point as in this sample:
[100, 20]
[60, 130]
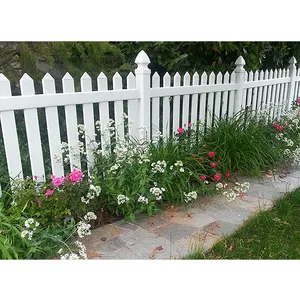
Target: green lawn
[272, 234]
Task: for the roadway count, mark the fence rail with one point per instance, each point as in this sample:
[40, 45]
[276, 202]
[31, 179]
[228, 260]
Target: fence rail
[180, 100]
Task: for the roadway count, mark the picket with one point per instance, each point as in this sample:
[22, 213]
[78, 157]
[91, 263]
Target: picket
[269, 93]
[133, 113]
[203, 99]
[10, 137]
[250, 91]
[176, 104]
[225, 97]
[195, 100]
[166, 107]
[104, 116]
[33, 131]
[218, 97]
[155, 104]
[71, 123]
[260, 91]
[186, 100]
[277, 74]
[53, 128]
[118, 106]
[255, 95]
[210, 101]
[231, 97]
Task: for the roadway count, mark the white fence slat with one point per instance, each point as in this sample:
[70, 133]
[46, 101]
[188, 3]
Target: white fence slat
[250, 91]
[277, 74]
[118, 106]
[273, 95]
[176, 105]
[264, 96]
[71, 124]
[210, 101]
[286, 88]
[186, 100]
[104, 116]
[166, 107]
[231, 97]
[225, 97]
[255, 94]
[133, 105]
[203, 99]
[269, 93]
[244, 99]
[33, 131]
[155, 104]
[10, 137]
[297, 83]
[53, 128]
[260, 91]
[281, 95]
[194, 100]
[88, 118]
[218, 96]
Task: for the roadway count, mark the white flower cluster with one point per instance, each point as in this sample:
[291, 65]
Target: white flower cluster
[122, 199]
[94, 191]
[90, 216]
[158, 167]
[144, 158]
[98, 125]
[31, 226]
[179, 164]
[81, 130]
[190, 196]
[143, 199]
[83, 229]
[237, 190]
[157, 192]
[220, 185]
[74, 256]
[156, 137]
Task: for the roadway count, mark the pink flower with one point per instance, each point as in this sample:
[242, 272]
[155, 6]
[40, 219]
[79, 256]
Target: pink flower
[280, 128]
[203, 177]
[75, 176]
[205, 145]
[49, 192]
[184, 125]
[275, 124]
[40, 202]
[211, 154]
[213, 164]
[298, 100]
[35, 177]
[217, 177]
[190, 124]
[180, 130]
[227, 174]
[57, 181]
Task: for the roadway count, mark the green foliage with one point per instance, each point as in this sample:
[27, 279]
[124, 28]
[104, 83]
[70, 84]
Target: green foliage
[245, 143]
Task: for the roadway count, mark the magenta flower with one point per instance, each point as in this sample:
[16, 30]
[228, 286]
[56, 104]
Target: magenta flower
[57, 181]
[190, 124]
[298, 100]
[213, 164]
[203, 177]
[217, 177]
[49, 192]
[180, 130]
[75, 176]
[211, 154]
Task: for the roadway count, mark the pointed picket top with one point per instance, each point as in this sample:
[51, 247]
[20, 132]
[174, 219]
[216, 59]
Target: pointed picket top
[85, 76]
[292, 61]
[130, 81]
[195, 78]
[261, 74]
[226, 77]
[155, 75]
[256, 75]
[177, 79]
[219, 77]
[212, 77]
[26, 77]
[67, 76]
[187, 79]
[101, 76]
[167, 79]
[48, 84]
[266, 74]
[117, 76]
[280, 73]
[276, 73]
[177, 75]
[117, 81]
[204, 78]
[271, 74]
[155, 80]
[3, 78]
[250, 76]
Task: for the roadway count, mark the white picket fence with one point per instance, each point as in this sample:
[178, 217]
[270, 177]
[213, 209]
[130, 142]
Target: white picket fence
[151, 106]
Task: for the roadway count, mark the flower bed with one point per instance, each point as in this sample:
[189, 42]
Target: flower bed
[42, 219]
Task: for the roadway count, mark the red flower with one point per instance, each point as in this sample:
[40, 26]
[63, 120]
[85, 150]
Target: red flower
[298, 100]
[211, 154]
[280, 128]
[180, 130]
[213, 164]
[190, 124]
[35, 177]
[217, 177]
[276, 124]
[227, 174]
[203, 177]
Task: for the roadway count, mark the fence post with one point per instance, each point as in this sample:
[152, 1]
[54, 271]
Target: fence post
[291, 86]
[142, 74]
[239, 79]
